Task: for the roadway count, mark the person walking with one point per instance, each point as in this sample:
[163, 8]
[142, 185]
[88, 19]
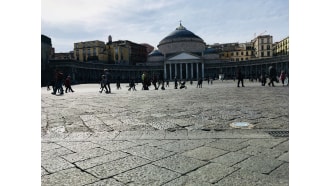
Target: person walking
[118, 83]
[240, 77]
[282, 77]
[67, 84]
[107, 79]
[263, 78]
[103, 84]
[272, 76]
[58, 82]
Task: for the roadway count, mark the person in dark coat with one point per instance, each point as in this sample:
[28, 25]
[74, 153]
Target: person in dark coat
[240, 77]
[272, 76]
[263, 78]
[67, 84]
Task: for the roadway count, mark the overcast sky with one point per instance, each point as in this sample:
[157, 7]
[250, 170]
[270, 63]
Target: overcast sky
[148, 21]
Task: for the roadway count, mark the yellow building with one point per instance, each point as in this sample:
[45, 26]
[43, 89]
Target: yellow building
[281, 47]
[236, 51]
[88, 50]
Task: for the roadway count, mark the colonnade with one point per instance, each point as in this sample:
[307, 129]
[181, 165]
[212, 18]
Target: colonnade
[183, 70]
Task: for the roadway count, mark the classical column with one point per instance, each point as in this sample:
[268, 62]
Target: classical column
[165, 75]
[180, 70]
[203, 70]
[170, 71]
[192, 70]
[176, 74]
[197, 71]
[186, 71]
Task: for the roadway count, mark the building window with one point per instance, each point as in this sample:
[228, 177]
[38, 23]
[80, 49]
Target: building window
[262, 54]
[247, 53]
[268, 53]
[268, 47]
[262, 47]
[241, 53]
[236, 53]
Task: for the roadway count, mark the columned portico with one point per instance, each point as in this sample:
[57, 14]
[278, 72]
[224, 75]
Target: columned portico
[182, 61]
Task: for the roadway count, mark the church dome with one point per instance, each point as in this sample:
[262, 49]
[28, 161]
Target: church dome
[155, 53]
[181, 40]
[180, 32]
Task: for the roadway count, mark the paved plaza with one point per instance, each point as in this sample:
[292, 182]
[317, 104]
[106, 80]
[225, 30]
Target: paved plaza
[166, 137]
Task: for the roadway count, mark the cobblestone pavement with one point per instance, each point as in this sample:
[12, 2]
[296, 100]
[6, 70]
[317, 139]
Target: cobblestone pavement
[165, 137]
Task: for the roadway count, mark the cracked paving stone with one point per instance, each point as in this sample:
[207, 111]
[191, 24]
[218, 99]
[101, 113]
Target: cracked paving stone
[118, 166]
[228, 144]
[55, 164]
[211, 173]
[45, 146]
[180, 163]
[147, 175]
[116, 145]
[230, 159]
[78, 146]
[204, 153]
[90, 153]
[249, 178]
[262, 165]
[182, 145]
[88, 163]
[67, 177]
[55, 152]
[110, 181]
[147, 152]
[187, 181]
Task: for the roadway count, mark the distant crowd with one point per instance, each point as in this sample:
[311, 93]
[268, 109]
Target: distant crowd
[158, 82]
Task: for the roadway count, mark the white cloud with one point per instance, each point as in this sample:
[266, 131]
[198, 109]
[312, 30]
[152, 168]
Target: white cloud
[150, 21]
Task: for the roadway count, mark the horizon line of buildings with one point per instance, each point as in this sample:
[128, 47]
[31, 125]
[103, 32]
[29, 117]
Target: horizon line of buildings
[126, 52]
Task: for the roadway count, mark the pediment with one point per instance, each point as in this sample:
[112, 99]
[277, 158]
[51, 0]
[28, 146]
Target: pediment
[183, 56]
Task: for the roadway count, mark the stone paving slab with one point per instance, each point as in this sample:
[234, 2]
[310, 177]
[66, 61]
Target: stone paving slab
[68, 177]
[179, 163]
[204, 153]
[112, 168]
[147, 175]
[171, 137]
[147, 152]
[91, 162]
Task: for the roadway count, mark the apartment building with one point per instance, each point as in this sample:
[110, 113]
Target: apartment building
[281, 47]
[88, 50]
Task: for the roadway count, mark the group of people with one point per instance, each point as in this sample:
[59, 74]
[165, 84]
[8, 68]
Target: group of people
[58, 81]
[272, 76]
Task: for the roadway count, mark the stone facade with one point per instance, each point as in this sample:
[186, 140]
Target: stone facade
[183, 44]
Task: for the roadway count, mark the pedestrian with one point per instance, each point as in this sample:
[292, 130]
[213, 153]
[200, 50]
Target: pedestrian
[282, 77]
[118, 83]
[191, 81]
[107, 79]
[263, 78]
[145, 81]
[208, 80]
[132, 85]
[103, 84]
[67, 84]
[58, 82]
[272, 76]
[175, 83]
[240, 77]
[200, 83]
[167, 83]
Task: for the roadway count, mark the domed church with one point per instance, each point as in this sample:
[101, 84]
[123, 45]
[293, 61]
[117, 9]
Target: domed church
[182, 53]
